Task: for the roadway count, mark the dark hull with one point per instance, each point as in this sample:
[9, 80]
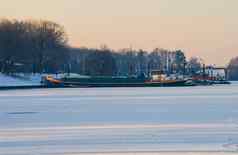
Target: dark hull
[146, 84]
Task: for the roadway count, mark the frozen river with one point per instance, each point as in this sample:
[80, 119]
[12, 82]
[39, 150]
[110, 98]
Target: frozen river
[195, 120]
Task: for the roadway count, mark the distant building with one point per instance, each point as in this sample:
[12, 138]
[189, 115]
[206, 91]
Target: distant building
[218, 73]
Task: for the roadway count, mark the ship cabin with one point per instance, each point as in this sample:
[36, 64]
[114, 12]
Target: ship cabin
[158, 75]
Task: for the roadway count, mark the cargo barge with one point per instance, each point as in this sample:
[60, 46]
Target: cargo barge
[114, 82]
[121, 82]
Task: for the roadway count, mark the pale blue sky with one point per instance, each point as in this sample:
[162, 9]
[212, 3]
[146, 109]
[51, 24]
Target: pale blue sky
[207, 28]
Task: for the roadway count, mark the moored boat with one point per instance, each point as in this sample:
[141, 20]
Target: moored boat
[107, 81]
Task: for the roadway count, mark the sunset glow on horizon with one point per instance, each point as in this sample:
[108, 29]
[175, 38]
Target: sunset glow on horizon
[204, 28]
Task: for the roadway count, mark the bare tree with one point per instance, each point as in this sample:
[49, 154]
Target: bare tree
[41, 44]
[195, 65]
[233, 69]
[12, 35]
[49, 44]
[101, 63]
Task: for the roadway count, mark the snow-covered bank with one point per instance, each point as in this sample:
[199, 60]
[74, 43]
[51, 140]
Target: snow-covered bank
[20, 80]
[25, 80]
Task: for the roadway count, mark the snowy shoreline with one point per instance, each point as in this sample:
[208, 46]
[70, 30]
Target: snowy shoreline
[20, 80]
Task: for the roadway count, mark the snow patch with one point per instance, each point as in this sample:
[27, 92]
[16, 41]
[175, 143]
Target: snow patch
[20, 80]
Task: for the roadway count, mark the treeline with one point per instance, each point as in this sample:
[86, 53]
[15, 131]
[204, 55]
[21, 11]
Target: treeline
[42, 47]
[32, 46]
[128, 62]
[38, 46]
